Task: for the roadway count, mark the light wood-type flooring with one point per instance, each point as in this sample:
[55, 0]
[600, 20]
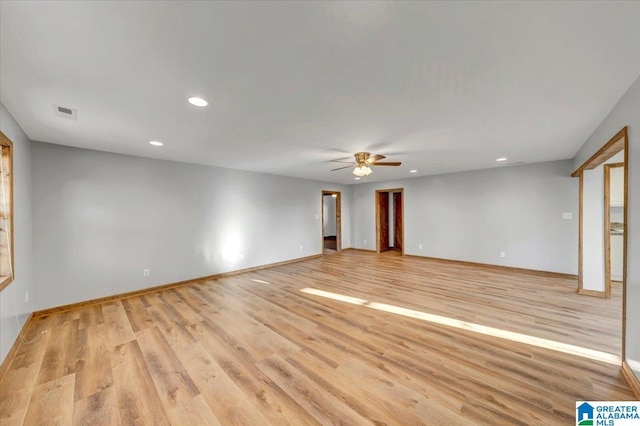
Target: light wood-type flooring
[254, 349]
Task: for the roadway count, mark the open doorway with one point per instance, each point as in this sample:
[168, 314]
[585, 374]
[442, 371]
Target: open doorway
[390, 220]
[594, 265]
[331, 222]
[614, 222]
[603, 217]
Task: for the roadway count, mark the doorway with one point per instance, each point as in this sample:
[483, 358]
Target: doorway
[594, 267]
[390, 220]
[613, 223]
[331, 222]
[596, 218]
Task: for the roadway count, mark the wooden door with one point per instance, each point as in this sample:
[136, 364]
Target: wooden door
[383, 220]
[397, 206]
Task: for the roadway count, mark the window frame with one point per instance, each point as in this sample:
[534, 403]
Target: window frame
[7, 156]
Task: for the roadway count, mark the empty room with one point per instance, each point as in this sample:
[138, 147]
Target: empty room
[367, 212]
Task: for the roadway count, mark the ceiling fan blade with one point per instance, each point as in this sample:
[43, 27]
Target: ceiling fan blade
[340, 168]
[341, 161]
[375, 158]
[390, 163]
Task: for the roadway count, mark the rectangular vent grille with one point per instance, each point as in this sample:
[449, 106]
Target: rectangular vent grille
[64, 112]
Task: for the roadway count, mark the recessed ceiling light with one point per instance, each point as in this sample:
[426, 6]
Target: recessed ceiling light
[413, 171]
[156, 143]
[199, 102]
[501, 159]
[357, 178]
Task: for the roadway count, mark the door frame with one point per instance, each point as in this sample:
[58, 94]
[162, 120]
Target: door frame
[377, 210]
[619, 142]
[338, 197]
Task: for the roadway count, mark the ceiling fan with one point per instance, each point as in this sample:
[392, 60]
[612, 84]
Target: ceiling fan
[363, 161]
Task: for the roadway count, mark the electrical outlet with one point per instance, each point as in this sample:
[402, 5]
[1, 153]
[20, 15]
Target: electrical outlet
[241, 256]
[567, 215]
[26, 297]
[301, 247]
[145, 273]
[365, 242]
[503, 254]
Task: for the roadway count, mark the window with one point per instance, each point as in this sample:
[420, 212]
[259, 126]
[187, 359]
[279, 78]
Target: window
[6, 211]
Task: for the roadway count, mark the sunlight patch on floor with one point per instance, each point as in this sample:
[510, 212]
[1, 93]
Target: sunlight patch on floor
[335, 296]
[469, 326]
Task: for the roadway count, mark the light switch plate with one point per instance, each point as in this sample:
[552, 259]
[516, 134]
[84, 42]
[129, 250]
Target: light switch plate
[567, 215]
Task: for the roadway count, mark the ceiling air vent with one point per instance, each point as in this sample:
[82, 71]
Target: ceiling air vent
[64, 112]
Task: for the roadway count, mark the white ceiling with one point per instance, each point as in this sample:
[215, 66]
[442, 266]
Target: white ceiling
[441, 87]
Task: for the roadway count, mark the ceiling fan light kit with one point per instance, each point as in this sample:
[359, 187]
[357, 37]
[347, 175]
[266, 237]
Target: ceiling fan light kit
[362, 171]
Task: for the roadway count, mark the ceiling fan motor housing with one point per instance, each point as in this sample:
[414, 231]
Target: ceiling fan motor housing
[361, 157]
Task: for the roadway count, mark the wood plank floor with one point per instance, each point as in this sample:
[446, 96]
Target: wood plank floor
[254, 349]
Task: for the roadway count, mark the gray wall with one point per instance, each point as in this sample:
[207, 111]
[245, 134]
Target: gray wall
[13, 309]
[626, 113]
[100, 219]
[473, 216]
